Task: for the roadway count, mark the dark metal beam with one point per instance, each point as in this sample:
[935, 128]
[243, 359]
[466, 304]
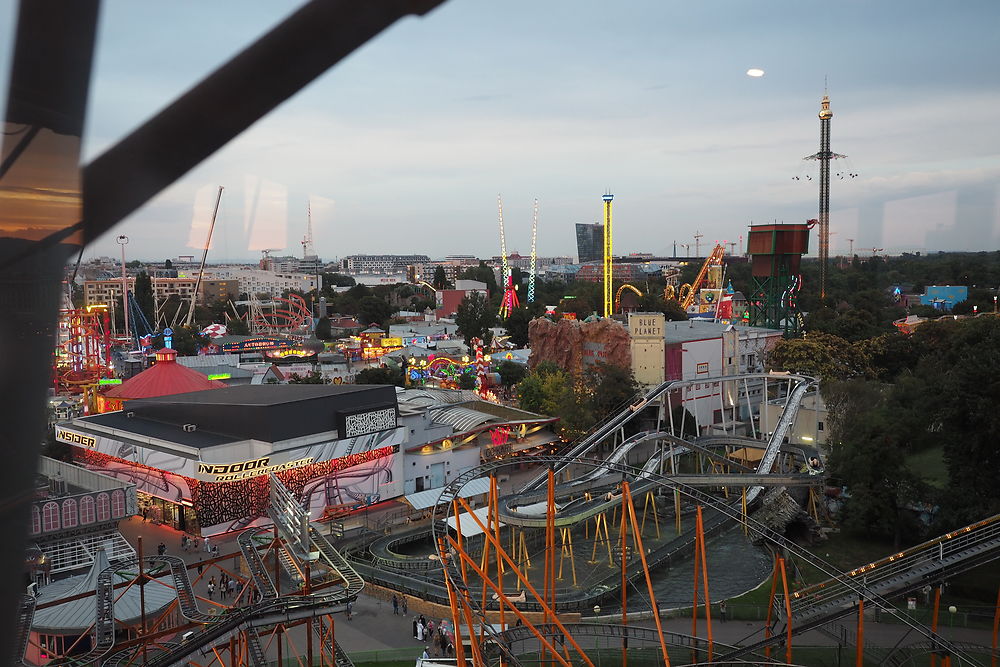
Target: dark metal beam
[39, 197]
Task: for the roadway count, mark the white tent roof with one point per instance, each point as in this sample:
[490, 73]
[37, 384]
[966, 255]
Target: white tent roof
[469, 526]
[423, 499]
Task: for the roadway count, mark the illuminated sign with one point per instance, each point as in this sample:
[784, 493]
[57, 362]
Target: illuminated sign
[392, 342]
[228, 472]
[76, 438]
[110, 381]
[257, 344]
[220, 376]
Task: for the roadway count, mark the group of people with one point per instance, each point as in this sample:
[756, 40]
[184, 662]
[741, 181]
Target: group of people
[161, 549]
[226, 586]
[440, 638]
[398, 603]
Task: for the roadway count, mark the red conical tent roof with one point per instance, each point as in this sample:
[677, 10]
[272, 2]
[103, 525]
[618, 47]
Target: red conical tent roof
[166, 377]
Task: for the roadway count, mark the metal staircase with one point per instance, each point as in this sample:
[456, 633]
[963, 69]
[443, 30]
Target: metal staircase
[25, 616]
[254, 649]
[258, 570]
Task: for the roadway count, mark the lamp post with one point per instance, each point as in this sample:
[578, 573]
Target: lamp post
[597, 612]
[951, 612]
[123, 241]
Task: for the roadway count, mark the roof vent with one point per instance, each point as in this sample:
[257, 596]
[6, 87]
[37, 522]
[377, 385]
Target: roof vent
[129, 415]
[188, 428]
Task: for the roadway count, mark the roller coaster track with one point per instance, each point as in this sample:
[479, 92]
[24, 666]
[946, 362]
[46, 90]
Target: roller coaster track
[852, 585]
[636, 632]
[630, 410]
[269, 611]
[532, 495]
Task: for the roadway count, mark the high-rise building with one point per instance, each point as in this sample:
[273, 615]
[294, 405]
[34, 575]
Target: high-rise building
[589, 242]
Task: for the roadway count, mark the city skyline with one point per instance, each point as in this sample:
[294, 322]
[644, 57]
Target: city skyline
[404, 146]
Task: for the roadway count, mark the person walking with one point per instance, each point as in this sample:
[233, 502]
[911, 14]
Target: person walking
[208, 549]
[722, 610]
[415, 627]
[404, 605]
[232, 587]
[211, 587]
[395, 605]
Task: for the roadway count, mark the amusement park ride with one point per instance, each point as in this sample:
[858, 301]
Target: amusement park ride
[516, 577]
[510, 301]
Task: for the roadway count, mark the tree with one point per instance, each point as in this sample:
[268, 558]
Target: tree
[237, 327]
[474, 318]
[511, 373]
[323, 331]
[144, 295]
[331, 280]
[517, 323]
[380, 376]
[483, 274]
[673, 311]
[868, 454]
[610, 387]
[373, 310]
[186, 340]
[466, 381]
[312, 377]
[168, 264]
[440, 280]
[134, 264]
[819, 354]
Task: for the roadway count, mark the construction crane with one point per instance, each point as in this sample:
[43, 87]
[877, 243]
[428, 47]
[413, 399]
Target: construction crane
[534, 256]
[714, 259]
[204, 256]
[307, 240]
[265, 257]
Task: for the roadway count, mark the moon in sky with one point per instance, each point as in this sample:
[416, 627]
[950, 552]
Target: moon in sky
[755, 72]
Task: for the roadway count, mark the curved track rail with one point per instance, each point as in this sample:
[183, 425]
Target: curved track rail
[857, 588]
[269, 611]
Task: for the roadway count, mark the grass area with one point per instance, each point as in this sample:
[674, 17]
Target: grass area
[930, 465]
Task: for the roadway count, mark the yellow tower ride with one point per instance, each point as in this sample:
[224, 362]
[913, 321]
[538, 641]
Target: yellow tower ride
[608, 258]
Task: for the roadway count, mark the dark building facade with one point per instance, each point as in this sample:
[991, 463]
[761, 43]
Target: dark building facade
[589, 242]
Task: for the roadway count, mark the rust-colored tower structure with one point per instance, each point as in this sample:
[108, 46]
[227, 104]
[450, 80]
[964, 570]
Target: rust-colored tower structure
[775, 257]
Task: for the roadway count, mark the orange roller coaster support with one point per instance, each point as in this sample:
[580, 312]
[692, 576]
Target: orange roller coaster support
[627, 495]
[788, 612]
[934, 619]
[452, 602]
[541, 638]
[859, 654]
[704, 572]
[524, 580]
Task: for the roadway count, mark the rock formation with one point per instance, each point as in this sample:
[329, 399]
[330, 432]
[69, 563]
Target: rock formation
[573, 345]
